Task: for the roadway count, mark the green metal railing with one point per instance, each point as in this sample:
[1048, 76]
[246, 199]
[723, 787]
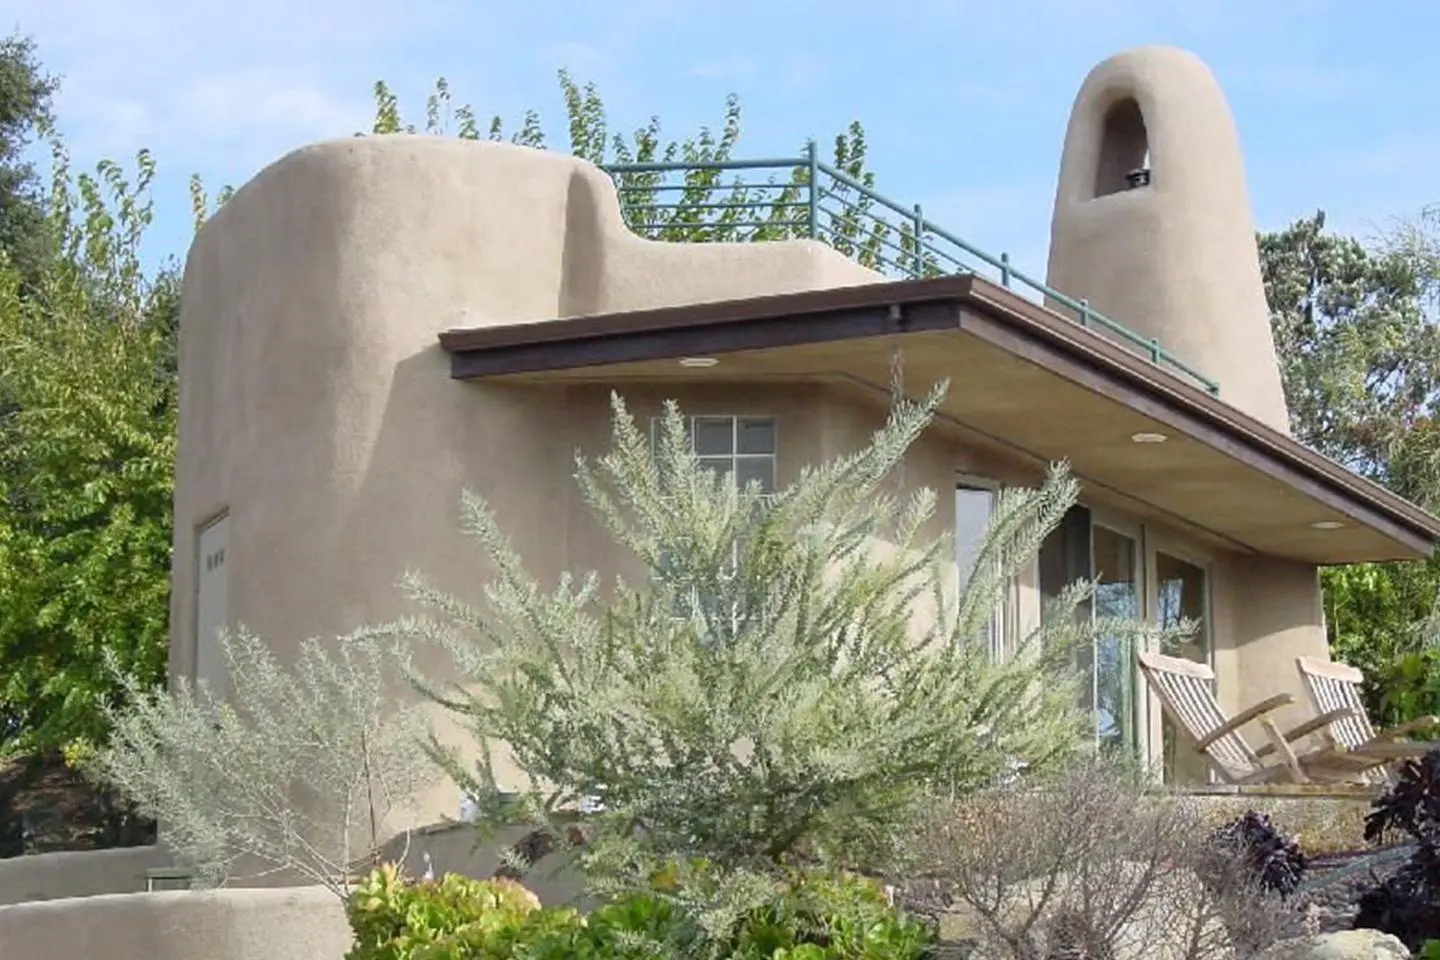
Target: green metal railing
[803, 197]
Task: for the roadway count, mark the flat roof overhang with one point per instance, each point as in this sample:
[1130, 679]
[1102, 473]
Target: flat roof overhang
[1021, 377]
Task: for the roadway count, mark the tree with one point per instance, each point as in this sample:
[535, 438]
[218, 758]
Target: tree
[297, 771]
[1359, 355]
[25, 98]
[764, 696]
[1359, 347]
[86, 462]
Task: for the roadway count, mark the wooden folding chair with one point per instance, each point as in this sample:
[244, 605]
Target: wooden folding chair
[1186, 692]
[1334, 686]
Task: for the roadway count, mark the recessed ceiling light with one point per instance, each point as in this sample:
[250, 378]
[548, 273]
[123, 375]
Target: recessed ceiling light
[1327, 525]
[698, 361]
[1148, 437]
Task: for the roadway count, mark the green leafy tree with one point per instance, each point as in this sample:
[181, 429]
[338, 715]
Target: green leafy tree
[26, 92]
[1359, 347]
[765, 696]
[1359, 354]
[86, 461]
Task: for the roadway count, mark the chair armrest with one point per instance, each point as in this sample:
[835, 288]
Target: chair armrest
[1243, 717]
[1419, 723]
[1308, 727]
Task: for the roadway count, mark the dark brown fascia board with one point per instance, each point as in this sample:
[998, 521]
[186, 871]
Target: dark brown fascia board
[843, 313]
[971, 303]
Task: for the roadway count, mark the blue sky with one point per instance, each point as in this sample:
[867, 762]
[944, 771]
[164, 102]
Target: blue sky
[964, 103]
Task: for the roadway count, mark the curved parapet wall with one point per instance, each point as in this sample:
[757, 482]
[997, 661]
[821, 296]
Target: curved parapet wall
[317, 413]
[77, 873]
[1174, 259]
[303, 923]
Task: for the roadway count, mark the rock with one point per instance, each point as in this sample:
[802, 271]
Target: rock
[1345, 945]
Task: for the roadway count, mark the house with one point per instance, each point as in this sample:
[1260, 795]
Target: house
[374, 324]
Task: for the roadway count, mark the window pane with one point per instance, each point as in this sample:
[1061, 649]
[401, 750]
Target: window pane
[756, 468]
[657, 431]
[756, 435]
[721, 465]
[972, 519]
[1180, 595]
[1117, 594]
[714, 436]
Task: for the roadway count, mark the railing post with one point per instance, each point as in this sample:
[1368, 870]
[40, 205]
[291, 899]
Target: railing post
[1004, 269]
[1157, 354]
[812, 213]
[1084, 312]
[919, 266]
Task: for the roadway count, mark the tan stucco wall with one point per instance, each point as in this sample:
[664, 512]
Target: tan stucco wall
[298, 923]
[1268, 612]
[1175, 260]
[80, 873]
[317, 409]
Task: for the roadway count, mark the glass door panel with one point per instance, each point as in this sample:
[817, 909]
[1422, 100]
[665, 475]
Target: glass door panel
[1181, 593]
[1117, 594]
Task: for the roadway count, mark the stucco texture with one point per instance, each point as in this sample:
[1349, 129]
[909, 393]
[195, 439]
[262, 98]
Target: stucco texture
[294, 923]
[1175, 260]
[316, 408]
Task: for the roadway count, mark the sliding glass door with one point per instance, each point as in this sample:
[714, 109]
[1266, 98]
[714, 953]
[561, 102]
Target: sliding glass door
[1182, 593]
[1116, 559]
[1082, 549]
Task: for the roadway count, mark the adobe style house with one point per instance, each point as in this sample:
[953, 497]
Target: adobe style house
[372, 325]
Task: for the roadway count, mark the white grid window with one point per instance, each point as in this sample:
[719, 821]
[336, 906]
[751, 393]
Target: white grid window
[738, 447]
[741, 448]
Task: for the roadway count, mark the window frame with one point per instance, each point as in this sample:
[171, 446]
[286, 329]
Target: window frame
[737, 616]
[1001, 639]
[1156, 543]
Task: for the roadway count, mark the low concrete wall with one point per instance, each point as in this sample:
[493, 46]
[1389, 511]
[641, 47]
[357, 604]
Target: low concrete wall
[84, 873]
[1327, 819]
[294, 923]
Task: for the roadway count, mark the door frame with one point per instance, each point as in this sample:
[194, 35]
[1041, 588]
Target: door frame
[1203, 560]
[1008, 611]
[1135, 531]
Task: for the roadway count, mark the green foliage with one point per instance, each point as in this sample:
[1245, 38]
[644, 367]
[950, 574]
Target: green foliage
[765, 695]
[394, 919]
[297, 769]
[1379, 618]
[86, 462]
[1361, 360]
[701, 204]
[813, 915]
[1360, 352]
[25, 97]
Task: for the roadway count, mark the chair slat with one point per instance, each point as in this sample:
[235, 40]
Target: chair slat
[1333, 686]
[1185, 690]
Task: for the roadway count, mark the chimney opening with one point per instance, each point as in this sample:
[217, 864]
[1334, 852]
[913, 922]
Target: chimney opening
[1124, 158]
